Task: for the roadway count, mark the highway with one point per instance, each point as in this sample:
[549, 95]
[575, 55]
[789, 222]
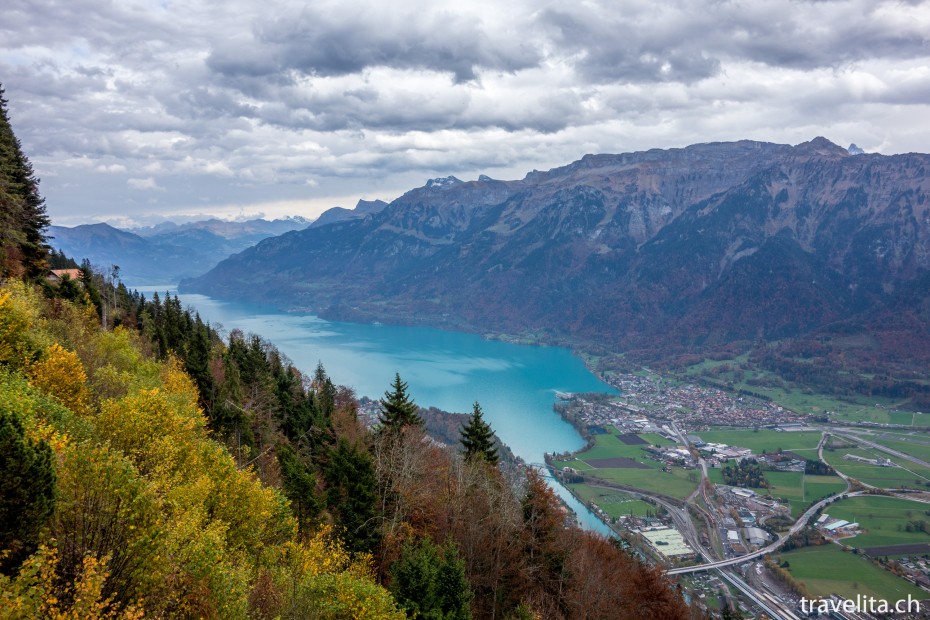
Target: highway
[798, 526]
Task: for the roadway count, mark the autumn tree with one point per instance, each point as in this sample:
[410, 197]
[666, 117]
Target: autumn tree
[398, 409]
[27, 490]
[478, 438]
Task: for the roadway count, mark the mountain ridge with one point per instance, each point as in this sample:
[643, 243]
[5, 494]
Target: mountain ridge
[680, 249]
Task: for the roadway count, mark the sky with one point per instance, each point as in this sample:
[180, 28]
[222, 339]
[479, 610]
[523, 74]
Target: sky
[133, 111]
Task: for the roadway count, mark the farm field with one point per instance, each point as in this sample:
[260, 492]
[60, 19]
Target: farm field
[918, 450]
[614, 503]
[623, 463]
[802, 442]
[914, 476]
[884, 520]
[827, 570]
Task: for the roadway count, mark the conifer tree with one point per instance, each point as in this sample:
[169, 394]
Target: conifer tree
[351, 495]
[431, 583]
[398, 409]
[23, 220]
[478, 438]
[27, 491]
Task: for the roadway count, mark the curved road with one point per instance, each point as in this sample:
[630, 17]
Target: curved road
[799, 524]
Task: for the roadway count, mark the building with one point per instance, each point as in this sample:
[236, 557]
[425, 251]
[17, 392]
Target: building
[668, 543]
[57, 275]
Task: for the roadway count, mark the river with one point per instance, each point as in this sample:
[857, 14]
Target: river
[515, 384]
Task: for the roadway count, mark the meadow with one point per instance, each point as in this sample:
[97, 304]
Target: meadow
[882, 519]
[827, 570]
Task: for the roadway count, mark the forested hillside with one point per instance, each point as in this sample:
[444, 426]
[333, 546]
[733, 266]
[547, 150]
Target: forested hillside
[150, 468]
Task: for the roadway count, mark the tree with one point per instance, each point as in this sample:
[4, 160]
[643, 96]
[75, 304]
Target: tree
[478, 438]
[299, 485]
[430, 583]
[397, 408]
[351, 494]
[27, 490]
[23, 220]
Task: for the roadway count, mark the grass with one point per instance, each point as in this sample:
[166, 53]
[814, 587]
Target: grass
[674, 484]
[919, 450]
[911, 476]
[882, 518]
[765, 439]
[614, 503]
[608, 446]
[827, 569]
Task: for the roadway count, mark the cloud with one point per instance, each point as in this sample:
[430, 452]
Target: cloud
[143, 184]
[298, 103]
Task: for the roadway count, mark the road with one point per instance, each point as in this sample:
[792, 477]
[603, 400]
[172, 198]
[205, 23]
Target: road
[797, 527]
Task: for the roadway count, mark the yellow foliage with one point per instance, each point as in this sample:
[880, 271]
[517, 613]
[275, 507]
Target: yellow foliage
[20, 318]
[62, 375]
[178, 383]
[33, 593]
[319, 578]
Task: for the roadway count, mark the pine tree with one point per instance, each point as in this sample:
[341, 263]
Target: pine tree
[351, 495]
[299, 485]
[430, 583]
[23, 220]
[397, 408]
[27, 490]
[478, 438]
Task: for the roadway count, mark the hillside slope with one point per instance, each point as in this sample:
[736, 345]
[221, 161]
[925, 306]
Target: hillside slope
[676, 250]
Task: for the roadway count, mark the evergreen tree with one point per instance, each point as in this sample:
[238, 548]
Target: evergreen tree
[397, 408]
[23, 220]
[299, 485]
[430, 583]
[27, 491]
[478, 438]
[351, 495]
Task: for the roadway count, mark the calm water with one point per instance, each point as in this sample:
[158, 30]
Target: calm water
[515, 384]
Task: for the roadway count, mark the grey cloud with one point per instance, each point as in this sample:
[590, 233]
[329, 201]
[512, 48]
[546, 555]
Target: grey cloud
[688, 41]
[327, 43]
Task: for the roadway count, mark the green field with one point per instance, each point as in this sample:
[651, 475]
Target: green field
[829, 570]
[608, 446]
[882, 518]
[674, 484]
[652, 478]
[614, 503]
[918, 450]
[767, 440]
[914, 476]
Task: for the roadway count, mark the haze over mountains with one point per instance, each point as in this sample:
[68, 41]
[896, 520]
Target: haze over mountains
[167, 252]
[683, 249]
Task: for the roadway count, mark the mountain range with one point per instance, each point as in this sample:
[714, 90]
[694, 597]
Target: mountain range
[676, 250]
[167, 252]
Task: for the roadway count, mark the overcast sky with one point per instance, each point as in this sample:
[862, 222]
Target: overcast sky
[134, 109]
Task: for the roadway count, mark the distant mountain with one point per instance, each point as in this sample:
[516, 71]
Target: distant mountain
[168, 252]
[340, 214]
[664, 250]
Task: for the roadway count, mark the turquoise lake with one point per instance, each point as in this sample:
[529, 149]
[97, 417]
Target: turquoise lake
[515, 384]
